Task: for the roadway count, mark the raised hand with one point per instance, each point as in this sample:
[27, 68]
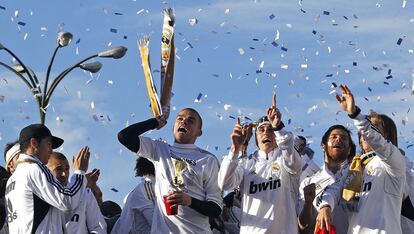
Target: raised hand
[81, 161]
[346, 100]
[92, 177]
[309, 193]
[162, 120]
[237, 137]
[273, 114]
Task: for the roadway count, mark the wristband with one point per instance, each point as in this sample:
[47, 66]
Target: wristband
[356, 113]
[281, 125]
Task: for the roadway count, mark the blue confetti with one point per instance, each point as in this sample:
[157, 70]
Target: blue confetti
[2, 7]
[117, 13]
[345, 17]
[255, 39]
[274, 44]
[326, 12]
[303, 11]
[189, 44]
[272, 16]
[314, 32]
[369, 89]
[115, 190]
[216, 148]
[354, 64]
[199, 96]
[21, 23]
[389, 71]
[399, 41]
[289, 121]
[408, 146]
[366, 98]
[198, 60]
[284, 48]
[388, 77]
[329, 75]
[125, 37]
[252, 48]
[334, 84]
[385, 82]
[114, 30]
[232, 117]
[77, 41]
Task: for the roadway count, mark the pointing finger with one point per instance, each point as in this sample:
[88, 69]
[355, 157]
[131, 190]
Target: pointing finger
[274, 100]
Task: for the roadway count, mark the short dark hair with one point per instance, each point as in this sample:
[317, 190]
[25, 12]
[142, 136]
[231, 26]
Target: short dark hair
[25, 144]
[110, 209]
[8, 146]
[341, 127]
[143, 167]
[195, 112]
[58, 156]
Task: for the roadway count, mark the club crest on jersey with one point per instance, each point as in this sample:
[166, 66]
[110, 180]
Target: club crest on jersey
[370, 170]
[275, 167]
[271, 184]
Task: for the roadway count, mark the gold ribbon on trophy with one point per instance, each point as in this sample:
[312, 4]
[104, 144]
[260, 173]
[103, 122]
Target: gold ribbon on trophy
[160, 106]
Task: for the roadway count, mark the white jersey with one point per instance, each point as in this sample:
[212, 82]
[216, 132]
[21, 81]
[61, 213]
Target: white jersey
[86, 217]
[323, 179]
[200, 180]
[379, 205]
[269, 186]
[407, 225]
[36, 200]
[232, 225]
[309, 167]
[136, 216]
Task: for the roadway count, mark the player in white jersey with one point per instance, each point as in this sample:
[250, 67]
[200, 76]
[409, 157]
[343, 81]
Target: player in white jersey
[268, 179]
[185, 174]
[338, 149]
[136, 216]
[375, 181]
[86, 217]
[35, 199]
[309, 166]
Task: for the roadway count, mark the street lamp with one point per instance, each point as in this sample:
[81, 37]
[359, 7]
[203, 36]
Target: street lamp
[43, 96]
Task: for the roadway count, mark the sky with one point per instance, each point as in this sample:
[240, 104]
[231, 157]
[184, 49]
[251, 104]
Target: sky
[236, 55]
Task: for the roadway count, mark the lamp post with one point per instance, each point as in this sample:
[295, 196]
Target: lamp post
[43, 96]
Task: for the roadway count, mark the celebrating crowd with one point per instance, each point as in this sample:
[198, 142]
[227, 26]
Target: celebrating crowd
[275, 189]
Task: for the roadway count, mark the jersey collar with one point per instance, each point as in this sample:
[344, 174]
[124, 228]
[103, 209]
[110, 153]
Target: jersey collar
[184, 146]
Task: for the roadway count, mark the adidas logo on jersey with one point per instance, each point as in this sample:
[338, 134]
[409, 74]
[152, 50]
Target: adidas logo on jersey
[269, 185]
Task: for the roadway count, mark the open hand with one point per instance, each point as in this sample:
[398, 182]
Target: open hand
[346, 100]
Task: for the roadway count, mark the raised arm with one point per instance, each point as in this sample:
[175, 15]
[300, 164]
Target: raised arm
[284, 140]
[389, 153]
[47, 188]
[231, 173]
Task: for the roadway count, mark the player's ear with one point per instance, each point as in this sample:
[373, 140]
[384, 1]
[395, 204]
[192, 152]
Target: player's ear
[200, 132]
[323, 146]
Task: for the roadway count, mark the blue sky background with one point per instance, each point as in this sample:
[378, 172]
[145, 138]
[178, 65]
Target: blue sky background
[324, 42]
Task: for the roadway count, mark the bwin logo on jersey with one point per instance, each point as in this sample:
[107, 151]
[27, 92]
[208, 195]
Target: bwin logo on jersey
[269, 185]
[11, 215]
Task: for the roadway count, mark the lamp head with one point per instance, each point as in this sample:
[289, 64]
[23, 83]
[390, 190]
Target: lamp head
[93, 67]
[116, 53]
[64, 38]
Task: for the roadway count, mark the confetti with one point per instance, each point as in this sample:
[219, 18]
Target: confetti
[326, 13]
[399, 41]
[277, 35]
[2, 98]
[226, 107]
[113, 30]
[21, 23]
[274, 44]
[227, 11]
[272, 16]
[2, 7]
[198, 99]
[92, 105]
[312, 109]
[140, 11]
[115, 190]
[241, 51]
[193, 21]
[284, 66]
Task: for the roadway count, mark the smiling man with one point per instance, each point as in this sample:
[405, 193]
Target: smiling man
[268, 179]
[185, 174]
[338, 149]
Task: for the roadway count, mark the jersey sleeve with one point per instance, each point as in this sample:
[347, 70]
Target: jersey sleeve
[331, 195]
[231, 173]
[390, 155]
[213, 192]
[125, 221]
[46, 187]
[292, 160]
[147, 149]
[95, 221]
